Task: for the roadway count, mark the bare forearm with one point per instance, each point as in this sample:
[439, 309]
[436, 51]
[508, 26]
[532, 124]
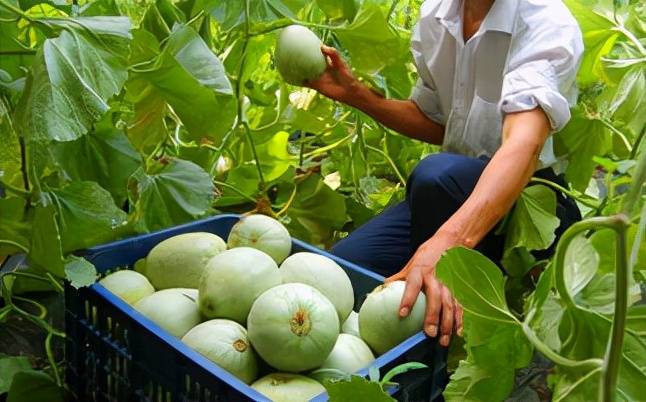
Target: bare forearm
[402, 116]
[502, 181]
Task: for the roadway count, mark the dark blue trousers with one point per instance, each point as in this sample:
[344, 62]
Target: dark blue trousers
[438, 186]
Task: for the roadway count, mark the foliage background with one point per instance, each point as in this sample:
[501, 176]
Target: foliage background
[119, 117]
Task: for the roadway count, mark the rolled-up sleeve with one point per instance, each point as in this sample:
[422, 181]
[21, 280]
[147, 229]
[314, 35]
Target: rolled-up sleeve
[542, 69]
[424, 93]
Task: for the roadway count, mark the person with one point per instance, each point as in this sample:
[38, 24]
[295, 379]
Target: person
[496, 80]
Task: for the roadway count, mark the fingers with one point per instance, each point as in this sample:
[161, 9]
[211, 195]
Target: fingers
[399, 276]
[413, 287]
[446, 325]
[458, 312]
[433, 305]
[335, 58]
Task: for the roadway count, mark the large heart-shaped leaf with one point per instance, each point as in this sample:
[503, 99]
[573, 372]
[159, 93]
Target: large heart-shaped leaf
[104, 156]
[174, 193]
[73, 77]
[86, 215]
[192, 81]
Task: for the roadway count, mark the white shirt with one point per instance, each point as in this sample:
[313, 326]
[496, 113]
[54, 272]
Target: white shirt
[526, 54]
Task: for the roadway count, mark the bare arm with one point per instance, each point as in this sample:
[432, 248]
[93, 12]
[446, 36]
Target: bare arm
[402, 116]
[503, 179]
[499, 186]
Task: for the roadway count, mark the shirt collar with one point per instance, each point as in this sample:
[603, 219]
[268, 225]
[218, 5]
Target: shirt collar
[500, 17]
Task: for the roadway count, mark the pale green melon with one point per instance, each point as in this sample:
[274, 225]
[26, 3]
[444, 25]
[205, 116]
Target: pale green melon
[323, 274]
[233, 280]
[293, 327]
[351, 324]
[225, 343]
[175, 310]
[178, 262]
[350, 354]
[263, 233]
[286, 387]
[379, 322]
[298, 55]
[128, 285]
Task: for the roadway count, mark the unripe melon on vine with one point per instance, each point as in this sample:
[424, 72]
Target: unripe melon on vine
[175, 310]
[178, 262]
[379, 322]
[263, 233]
[232, 281]
[225, 343]
[293, 327]
[323, 274]
[287, 387]
[350, 354]
[128, 285]
[298, 55]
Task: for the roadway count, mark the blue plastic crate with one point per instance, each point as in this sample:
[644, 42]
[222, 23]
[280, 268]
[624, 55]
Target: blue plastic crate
[116, 354]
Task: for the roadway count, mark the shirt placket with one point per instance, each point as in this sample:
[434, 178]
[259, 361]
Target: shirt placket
[460, 89]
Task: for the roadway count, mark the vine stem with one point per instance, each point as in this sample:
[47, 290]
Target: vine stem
[612, 358]
[235, 190]
[638, 141]
[242, 120]
[16, 11]
[549, 353]
[390, 162]
[565, 191]
[611, 222]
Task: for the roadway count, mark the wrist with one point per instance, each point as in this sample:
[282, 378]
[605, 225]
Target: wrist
[454, 238]
[360, 96]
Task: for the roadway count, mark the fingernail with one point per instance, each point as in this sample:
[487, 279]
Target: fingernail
[432, 330]
[460, 331]
[444, 340]
[403, 312]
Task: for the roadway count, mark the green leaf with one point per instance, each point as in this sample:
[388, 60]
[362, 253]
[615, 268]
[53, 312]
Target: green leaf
[86, 215]
[358, 389]
[160, 17]
[495, 341]
[191, 79]
[581, 262]
[531, 225]
[599, 294]
[195, 57]
[59, 4]
[14, 230]
[274, 158]
[175, 192]
[80, 272]
[244, 179]
[582, 139]
[599, 38]
[570, 384]
[230, 14]
[10, 162]
[9, 366]
[34, 386]
[104, 156]
[317, 211]
[628, 104]
[369, 31]
[45, 250]
[473, 383]
[73, 77]
[476, 282]
[338, 9]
